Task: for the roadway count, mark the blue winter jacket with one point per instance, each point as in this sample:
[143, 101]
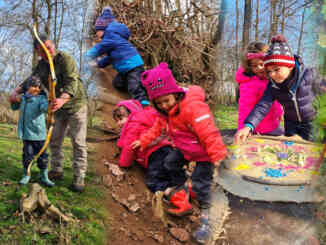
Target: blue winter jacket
[297, 101]
[120, 52]
[31, 124]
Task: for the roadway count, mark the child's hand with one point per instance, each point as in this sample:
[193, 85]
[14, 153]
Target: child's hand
[136, 144]
[242, 135]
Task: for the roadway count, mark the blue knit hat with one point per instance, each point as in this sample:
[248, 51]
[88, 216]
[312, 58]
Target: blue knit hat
[104, 19]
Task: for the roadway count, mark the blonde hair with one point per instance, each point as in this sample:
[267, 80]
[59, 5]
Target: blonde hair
[253, 47]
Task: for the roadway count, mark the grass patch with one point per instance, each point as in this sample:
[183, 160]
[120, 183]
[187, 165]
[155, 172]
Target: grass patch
[227, 117]
[89, 207]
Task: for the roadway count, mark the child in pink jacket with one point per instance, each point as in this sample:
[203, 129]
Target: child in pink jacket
[188, 121]
[252, 81]
[134, 121]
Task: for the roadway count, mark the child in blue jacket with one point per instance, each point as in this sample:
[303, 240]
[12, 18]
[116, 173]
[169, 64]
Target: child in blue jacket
[120, 53]
[31, 127]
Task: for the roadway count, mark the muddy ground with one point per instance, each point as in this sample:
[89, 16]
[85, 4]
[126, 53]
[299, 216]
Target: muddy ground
[249, 223]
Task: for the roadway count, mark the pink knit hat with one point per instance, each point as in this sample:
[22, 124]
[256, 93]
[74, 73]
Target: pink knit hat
[131, 105]
[159, 81]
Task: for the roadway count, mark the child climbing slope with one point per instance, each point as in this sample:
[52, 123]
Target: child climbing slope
[187, 120]
[120, 53]
[31, 127]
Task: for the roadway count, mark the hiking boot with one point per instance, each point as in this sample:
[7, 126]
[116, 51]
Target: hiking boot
[45, 178]
[203, 234]
[180, 199]
[79, 184]
[54, 175]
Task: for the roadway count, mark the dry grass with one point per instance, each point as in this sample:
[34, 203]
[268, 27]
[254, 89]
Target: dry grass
[7, 115]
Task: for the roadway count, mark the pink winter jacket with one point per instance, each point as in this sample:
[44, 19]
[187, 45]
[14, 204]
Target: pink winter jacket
[251, 90]
[139, 121]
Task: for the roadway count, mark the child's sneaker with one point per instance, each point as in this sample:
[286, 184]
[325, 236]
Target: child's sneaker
[203, 233]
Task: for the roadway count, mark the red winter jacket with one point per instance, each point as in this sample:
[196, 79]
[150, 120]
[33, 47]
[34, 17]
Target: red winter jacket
[251, 90]
[138, 122]
[192, 129]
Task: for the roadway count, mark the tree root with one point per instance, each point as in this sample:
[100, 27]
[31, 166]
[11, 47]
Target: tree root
[37, 198]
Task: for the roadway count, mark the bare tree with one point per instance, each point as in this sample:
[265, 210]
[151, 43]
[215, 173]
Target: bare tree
[257, 20]
[301, 32]
[246, 24]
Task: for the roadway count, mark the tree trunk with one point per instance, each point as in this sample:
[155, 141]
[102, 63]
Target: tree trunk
[237, 31]
[301, 32]
[158, 8]
[283, 16]
[35, 21]
[257, 21]
[246, 24]
[274, 18]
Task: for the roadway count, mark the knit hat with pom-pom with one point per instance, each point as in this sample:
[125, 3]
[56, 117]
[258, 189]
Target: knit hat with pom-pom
[104, 19]
[159, 81]
[279, 53]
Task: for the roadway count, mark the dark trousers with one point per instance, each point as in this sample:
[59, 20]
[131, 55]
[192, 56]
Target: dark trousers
[131, 82]
[30, 149]
[303, 129]
[158, 177]
[201, 177]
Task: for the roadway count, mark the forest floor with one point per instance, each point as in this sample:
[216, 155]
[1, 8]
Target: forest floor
[249, 223]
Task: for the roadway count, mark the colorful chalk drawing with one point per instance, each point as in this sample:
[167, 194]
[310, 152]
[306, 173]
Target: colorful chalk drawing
[277, 159]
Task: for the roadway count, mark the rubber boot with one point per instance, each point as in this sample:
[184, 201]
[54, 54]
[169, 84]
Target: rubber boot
[203, 234]
[25, 179]
[180, 199]
[45, 178]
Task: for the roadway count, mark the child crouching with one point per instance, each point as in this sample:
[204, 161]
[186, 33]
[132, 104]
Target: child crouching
[187, 120]
[135, 121]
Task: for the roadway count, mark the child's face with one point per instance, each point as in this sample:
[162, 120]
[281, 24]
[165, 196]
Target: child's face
[166, 102]
[34, 90]
[278, 73]
[257, 67]
[121, 121]
[99, 34]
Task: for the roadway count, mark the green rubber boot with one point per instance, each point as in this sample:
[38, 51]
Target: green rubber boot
[45, 178]
[25, 179]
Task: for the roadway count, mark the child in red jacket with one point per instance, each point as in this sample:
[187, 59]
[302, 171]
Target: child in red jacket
[134, 121]
[190, 124]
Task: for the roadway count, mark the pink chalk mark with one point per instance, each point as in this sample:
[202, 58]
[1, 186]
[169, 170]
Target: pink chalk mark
[257, 164]
[310, 162]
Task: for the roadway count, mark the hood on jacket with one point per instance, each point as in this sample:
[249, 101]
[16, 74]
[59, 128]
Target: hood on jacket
[118, 29]
[131, 105]
[195, 93]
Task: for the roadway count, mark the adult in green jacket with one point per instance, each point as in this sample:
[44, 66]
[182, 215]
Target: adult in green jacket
[70, 107]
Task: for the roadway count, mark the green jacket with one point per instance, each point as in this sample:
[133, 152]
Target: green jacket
[68, 81]
[31, 124]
